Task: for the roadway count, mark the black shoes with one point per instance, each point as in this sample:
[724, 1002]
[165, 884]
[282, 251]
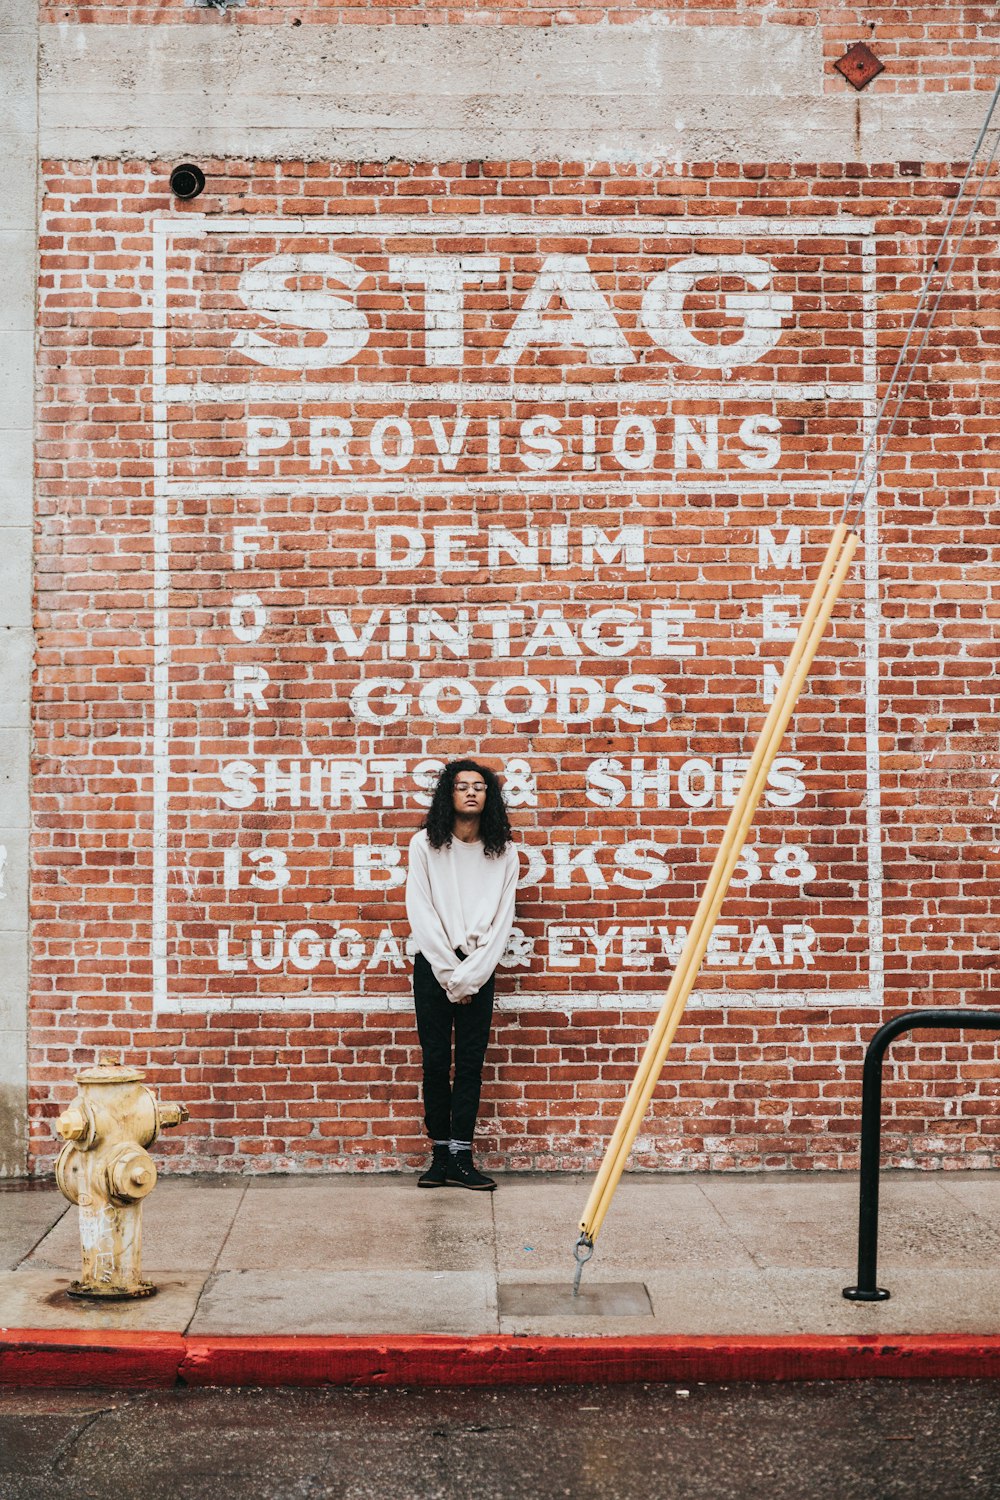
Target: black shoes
[447, 1170]
[437, 1173]
[461, 1171]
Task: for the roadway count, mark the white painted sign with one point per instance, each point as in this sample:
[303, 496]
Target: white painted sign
[429, 487]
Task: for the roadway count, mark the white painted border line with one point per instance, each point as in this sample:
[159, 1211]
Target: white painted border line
[161, 635]
[209, 392]
[873, 631]
[538, 227]
[473, 484]
[605, 1000]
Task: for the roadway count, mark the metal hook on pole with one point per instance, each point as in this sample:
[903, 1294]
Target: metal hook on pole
[582, 1251]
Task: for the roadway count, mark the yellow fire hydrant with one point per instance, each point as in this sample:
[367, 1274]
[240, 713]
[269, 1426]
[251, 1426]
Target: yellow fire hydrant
[105, 1169]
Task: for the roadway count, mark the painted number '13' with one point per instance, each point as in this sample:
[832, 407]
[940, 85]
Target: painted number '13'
[269, 868]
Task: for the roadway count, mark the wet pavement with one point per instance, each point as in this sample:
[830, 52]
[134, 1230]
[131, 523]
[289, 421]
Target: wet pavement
[850, 1440]
[695, 1254]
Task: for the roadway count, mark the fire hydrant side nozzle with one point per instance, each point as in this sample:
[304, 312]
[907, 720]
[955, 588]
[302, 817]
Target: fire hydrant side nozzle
[105, 1168]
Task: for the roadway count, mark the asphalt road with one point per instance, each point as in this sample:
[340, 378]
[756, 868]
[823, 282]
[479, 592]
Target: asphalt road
[848, 1440]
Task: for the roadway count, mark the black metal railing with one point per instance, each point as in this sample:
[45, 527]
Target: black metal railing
[867, 1289]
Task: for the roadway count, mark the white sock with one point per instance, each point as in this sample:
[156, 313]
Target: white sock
[456, 1146]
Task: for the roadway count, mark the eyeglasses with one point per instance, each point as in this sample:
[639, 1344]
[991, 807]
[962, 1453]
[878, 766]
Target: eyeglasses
[470, 786]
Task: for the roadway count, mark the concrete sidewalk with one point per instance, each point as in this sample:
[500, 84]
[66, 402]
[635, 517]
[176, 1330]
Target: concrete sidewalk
[719, 1254]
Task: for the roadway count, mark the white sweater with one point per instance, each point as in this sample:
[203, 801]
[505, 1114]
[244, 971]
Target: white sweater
[457, 897]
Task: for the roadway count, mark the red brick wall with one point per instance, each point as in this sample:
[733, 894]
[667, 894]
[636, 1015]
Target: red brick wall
[314, 1064]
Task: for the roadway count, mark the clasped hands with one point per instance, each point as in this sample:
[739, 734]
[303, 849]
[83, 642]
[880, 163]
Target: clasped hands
[457, 989]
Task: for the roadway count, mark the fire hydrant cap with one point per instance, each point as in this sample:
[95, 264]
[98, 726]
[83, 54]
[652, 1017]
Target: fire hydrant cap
[131, 1173]
[74, 1124]
[108, 1072]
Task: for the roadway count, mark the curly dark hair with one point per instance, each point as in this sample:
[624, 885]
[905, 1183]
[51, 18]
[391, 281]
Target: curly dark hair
[494, 826]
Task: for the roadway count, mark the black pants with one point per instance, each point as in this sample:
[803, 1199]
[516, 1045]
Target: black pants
[450, 1110]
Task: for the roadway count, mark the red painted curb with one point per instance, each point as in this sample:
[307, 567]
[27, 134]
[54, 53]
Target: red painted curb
[31, 1357]
[83, 1358]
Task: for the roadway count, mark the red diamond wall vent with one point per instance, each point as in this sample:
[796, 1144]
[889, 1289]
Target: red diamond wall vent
[859, 65]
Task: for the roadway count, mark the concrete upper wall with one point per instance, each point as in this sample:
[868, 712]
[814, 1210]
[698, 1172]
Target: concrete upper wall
[465, 92]
[925, 48]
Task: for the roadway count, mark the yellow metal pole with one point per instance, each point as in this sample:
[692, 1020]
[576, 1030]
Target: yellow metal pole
[826, 571]
[825, 593]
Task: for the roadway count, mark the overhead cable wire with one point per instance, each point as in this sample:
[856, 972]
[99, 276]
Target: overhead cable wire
[924, 293]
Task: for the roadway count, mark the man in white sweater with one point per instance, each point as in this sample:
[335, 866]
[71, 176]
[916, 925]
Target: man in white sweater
[460, 889]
